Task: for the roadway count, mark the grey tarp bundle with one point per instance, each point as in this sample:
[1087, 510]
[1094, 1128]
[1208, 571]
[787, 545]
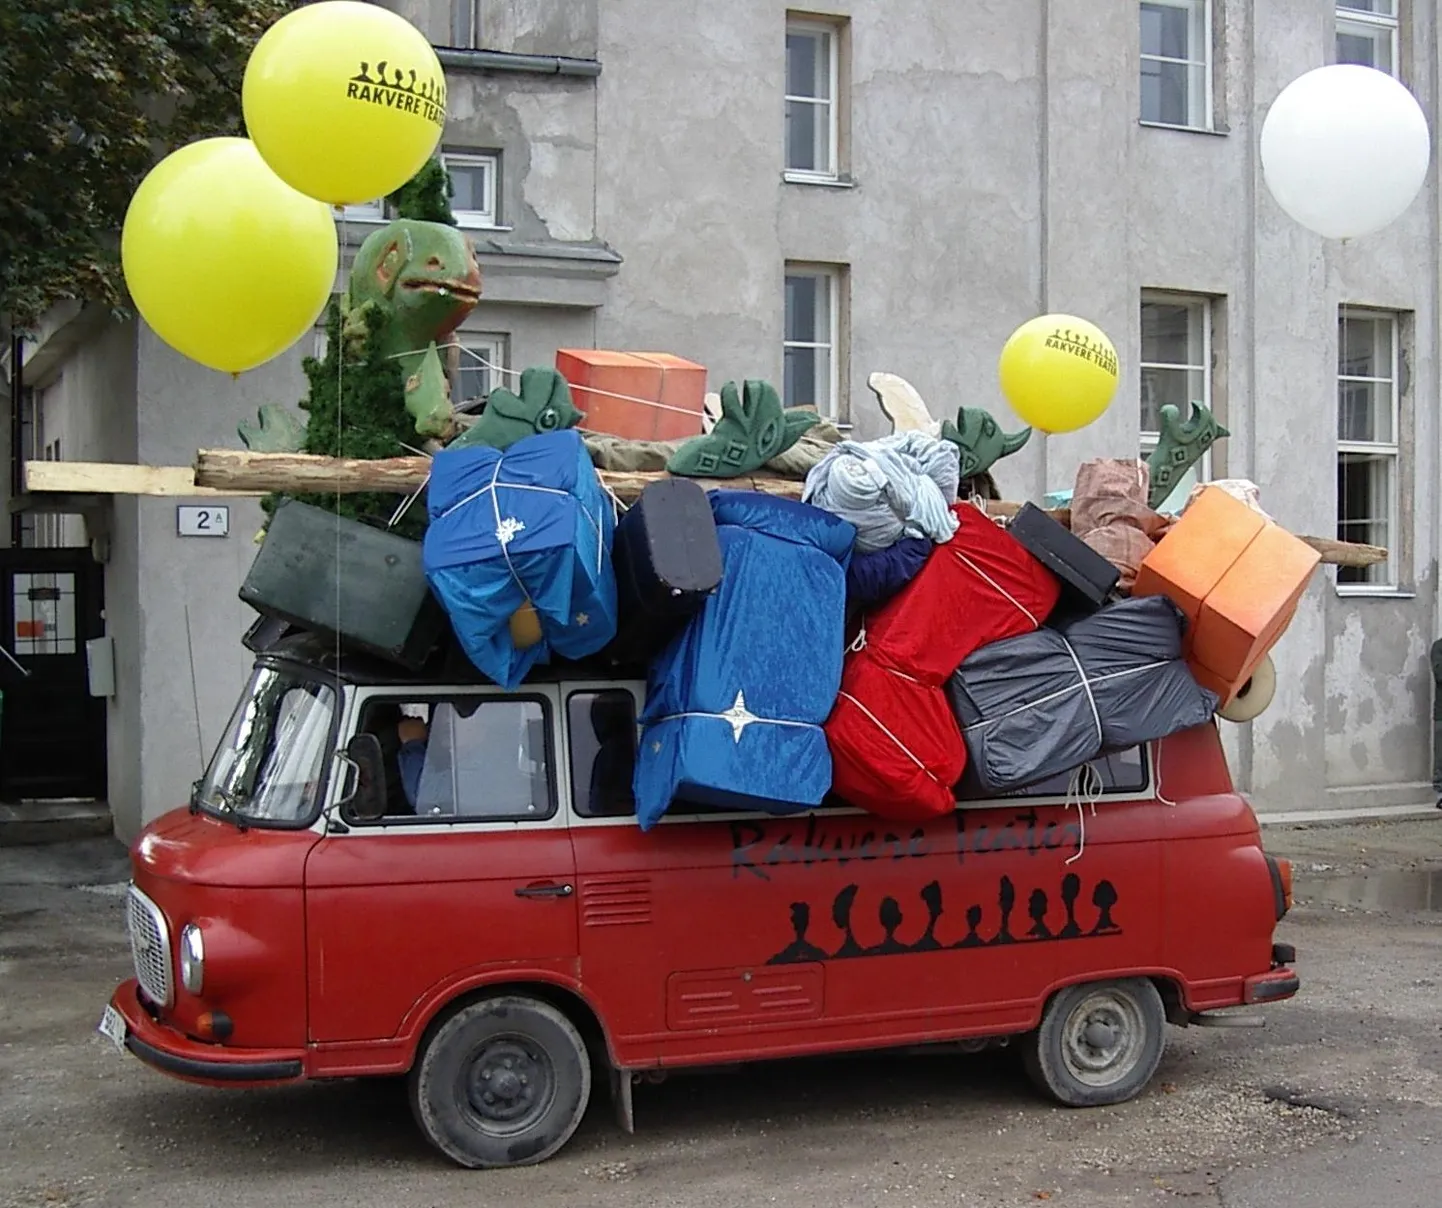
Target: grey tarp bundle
[1043, 703]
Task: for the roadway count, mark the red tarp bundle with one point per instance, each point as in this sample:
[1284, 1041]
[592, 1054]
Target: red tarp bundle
[895, 745]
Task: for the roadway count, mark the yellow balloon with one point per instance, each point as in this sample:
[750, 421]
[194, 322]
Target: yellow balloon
[228, 263]
[1058, 372]
[345, 100]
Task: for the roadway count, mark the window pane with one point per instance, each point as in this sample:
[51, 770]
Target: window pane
[1364, 47]
[1364, 412]
[1380, 8]
[1172, 333]
[602, 730]
[470, 379]
[472, 183]
[808, 137]
[491, 764]
[1364, 505]
[808, 64]
[1167, 30]
[463, 23]
[805, 301]
[1173, 94]
[1365, 347]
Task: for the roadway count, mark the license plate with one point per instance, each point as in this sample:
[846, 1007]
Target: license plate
[112, 1025]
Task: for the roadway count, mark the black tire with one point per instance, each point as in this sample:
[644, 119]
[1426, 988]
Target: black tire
[502, 1082]
[1098, 1043]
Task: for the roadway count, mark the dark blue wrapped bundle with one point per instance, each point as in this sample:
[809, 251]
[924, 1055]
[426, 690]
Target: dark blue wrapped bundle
[735, 703]
[874, 578]
[528, 524]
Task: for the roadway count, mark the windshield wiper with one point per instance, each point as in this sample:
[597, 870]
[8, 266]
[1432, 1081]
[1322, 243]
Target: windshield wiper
[230, 803]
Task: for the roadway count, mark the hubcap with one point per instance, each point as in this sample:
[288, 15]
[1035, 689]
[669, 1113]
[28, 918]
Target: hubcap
[507, 1085]
[1103, 1039]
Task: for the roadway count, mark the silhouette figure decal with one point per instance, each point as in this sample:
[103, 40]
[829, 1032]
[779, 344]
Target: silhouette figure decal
[892, 919]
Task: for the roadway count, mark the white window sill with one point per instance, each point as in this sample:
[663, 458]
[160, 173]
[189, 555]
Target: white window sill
[480, 226]
[825, 181]
[461, 221]
[1184, 129]
[1373, 591]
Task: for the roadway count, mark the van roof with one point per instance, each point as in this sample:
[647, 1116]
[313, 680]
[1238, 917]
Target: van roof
[448, 666]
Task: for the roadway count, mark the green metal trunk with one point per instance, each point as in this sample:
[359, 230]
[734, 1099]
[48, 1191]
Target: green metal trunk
[346, 580]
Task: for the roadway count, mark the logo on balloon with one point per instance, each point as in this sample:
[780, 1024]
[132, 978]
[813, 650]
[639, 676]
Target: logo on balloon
[407, 93]
[1079, 344]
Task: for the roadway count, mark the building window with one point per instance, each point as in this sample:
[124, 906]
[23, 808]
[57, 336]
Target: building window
[1367, 34]
[1367, 452]
[365, 211]
[466, 24]
[1176, 63]
[1176, 368]
[473, 183]
[478, 365]
[812, 75]
[813, 303]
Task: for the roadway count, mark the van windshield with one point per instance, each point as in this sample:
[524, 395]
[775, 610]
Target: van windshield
[270, 766]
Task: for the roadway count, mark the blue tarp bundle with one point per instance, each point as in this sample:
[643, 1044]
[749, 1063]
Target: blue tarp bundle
[530, 523]
[734, 704]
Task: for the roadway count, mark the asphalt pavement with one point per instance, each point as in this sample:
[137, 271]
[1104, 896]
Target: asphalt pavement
[1336, 1103]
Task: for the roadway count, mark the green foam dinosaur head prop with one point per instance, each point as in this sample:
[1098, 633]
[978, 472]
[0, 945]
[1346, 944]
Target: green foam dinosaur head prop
[752, 430]
[980, 440]
[423, 275]
[543, 405]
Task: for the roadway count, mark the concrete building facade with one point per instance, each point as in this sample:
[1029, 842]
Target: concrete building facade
[810, 196]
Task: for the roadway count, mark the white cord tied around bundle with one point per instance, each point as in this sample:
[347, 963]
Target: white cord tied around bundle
[902, 485]
[739, 717]
[1084, 790]
[880, 725]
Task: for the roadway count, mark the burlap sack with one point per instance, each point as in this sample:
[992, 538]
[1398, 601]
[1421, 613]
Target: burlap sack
[1109, 512]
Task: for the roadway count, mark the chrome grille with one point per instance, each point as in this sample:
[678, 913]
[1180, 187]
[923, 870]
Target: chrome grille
[150, 947]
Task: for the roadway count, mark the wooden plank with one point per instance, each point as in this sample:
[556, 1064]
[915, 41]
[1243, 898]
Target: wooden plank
[115, 478]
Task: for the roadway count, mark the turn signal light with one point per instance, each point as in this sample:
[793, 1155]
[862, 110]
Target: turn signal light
[215, 1025]
[1285, 868]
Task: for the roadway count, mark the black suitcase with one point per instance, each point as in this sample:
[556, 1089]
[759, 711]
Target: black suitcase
[667, 560]
[342, 579]
[1087, 578]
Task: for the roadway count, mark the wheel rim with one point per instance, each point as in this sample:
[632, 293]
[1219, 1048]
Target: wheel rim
[1103, 1039]
[507, 1085]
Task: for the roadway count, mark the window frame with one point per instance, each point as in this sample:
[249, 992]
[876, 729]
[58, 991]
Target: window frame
[830, 31]
[835, 277]
[1371, 24]
[466, 13]
[493, 345]
[1208, 123]
[1148, 439]
[1392, 584]
[478, 220]
[364, 698]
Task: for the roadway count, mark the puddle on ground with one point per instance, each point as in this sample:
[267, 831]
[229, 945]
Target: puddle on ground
[1420, 889]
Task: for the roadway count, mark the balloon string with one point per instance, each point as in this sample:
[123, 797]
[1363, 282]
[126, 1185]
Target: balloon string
[340, 421]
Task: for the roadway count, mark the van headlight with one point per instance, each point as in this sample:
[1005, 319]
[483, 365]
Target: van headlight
[192, 958]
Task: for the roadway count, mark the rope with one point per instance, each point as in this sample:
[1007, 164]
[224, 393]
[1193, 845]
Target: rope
[1157, 756]
[1061, 692]
[1085, 789]
[877, 722]
[997, 587]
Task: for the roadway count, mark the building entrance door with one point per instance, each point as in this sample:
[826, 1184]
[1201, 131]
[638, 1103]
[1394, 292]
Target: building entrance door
[52, 731]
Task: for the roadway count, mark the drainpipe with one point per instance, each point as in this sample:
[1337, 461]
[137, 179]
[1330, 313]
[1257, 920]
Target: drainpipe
[17, 463]
[499, 60]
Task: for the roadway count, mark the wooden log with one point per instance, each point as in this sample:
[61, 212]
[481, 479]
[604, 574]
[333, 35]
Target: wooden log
[232, 471]
[114, 478]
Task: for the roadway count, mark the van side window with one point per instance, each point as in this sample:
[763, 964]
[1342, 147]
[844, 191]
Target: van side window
[467, 758]
[1117, 772]
[602, 730]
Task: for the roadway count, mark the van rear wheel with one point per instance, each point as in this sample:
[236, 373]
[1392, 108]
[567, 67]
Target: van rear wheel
[1099, 1043]
[503, 1082]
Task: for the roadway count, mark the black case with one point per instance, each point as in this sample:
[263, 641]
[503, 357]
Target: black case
[667, 560]
[342, 579]
[1085, 575]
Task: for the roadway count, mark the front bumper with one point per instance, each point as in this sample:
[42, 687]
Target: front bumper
[174, 1053]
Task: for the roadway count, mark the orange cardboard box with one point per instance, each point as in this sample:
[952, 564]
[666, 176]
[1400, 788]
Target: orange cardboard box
[662, 396]
[1237, 577]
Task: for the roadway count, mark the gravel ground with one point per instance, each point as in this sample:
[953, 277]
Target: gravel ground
[1335, 1102]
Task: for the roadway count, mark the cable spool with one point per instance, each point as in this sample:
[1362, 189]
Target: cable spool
[1256, 694]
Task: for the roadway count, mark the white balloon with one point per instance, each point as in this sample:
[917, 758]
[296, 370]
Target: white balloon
[1345, 150]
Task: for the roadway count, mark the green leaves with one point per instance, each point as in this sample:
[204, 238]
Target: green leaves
[92, 94]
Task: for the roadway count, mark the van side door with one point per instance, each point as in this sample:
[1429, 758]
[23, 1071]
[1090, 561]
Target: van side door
[469, 875]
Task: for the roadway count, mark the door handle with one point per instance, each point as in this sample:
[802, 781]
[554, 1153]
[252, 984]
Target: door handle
[545, 891]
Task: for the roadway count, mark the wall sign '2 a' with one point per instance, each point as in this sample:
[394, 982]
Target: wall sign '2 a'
[192, 520]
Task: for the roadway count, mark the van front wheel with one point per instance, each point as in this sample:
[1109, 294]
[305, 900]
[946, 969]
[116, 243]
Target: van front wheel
[1098, 1044]
[503, 1082]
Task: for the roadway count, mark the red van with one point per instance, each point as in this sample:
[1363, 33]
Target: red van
[382, 876]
